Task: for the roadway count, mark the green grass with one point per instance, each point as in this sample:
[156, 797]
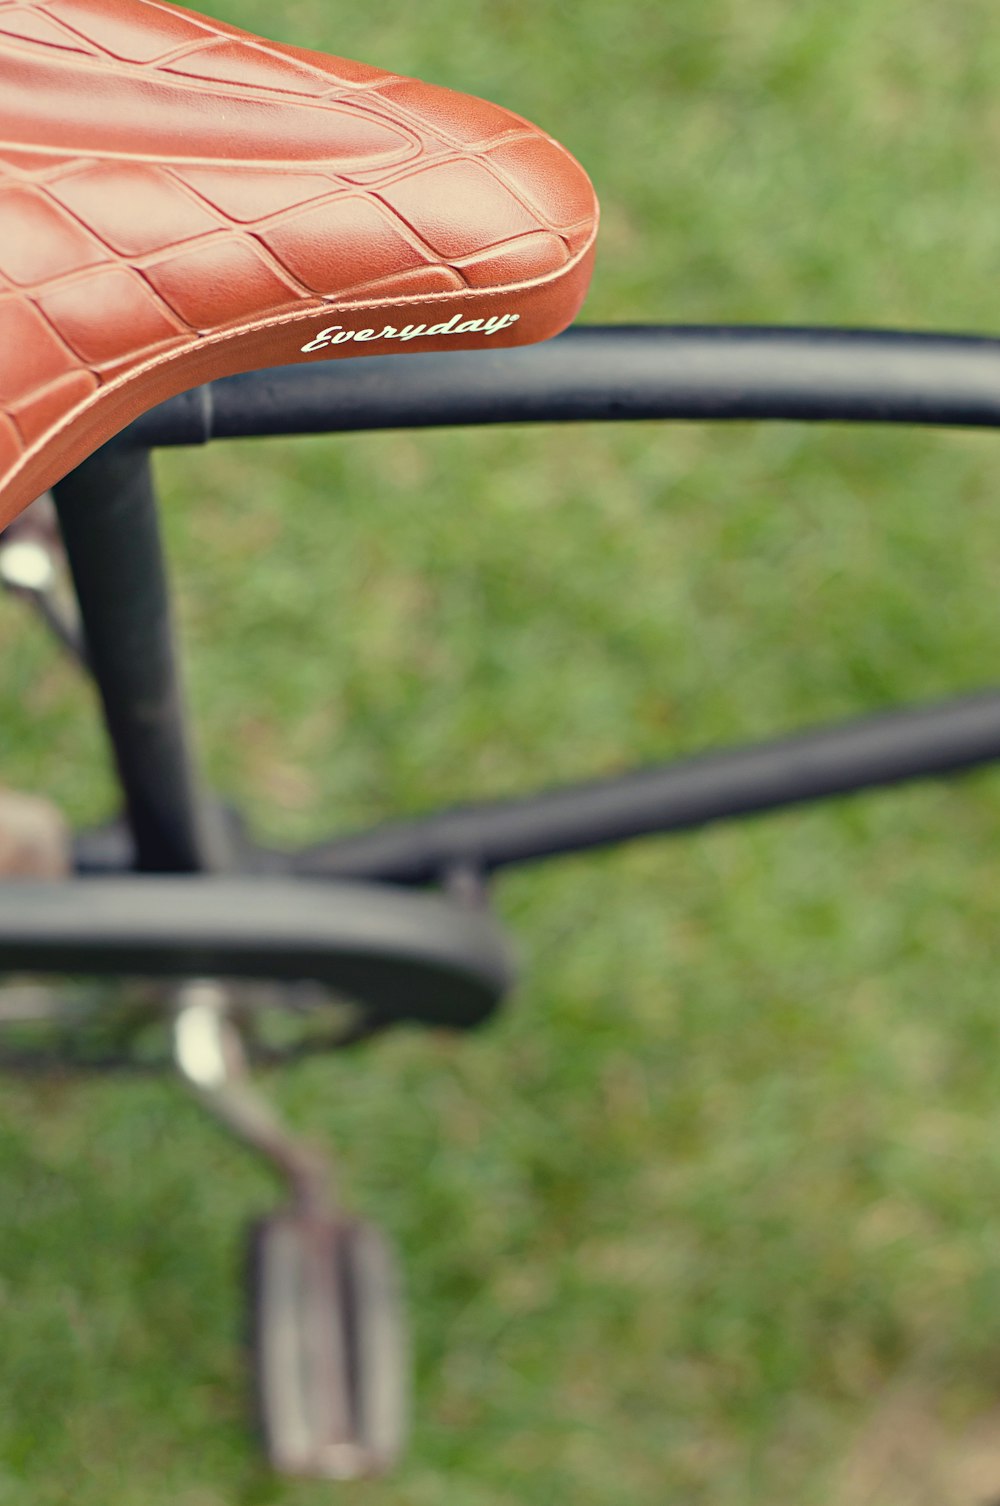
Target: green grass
[712, 1213]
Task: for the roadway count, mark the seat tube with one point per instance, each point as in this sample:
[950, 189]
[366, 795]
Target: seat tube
[108, 516]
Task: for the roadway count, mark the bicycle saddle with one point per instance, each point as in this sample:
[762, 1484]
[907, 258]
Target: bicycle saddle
[180, 201]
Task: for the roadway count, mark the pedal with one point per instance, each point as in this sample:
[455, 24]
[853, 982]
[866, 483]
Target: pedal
[329, 1351]
[328, 1346]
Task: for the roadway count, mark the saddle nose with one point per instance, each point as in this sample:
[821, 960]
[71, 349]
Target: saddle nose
[180, 201]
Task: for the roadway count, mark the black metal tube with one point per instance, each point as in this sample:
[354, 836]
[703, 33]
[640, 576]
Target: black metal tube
[107, 512]
[601, 374]
[878, 750]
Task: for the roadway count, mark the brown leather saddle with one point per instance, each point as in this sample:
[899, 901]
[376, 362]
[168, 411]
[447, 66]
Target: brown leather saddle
[180, 200]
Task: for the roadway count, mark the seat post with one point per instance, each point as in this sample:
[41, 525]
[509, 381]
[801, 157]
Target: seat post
[108, 516]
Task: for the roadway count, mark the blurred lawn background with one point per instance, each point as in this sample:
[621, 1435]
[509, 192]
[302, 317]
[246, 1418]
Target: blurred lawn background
[712, 1213]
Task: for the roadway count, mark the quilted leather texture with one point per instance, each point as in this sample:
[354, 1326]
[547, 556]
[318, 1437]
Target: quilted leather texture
[180, 200]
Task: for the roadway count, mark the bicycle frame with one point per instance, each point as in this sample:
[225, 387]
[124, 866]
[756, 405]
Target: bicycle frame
[107, 513]
[177, 890]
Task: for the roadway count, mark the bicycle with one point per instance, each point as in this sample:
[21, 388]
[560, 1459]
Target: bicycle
[178, 891]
